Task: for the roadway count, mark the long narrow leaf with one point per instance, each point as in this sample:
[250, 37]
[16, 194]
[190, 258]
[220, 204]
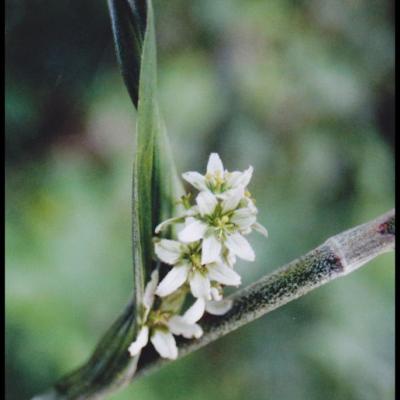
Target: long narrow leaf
[155, 189]
[154, 178]
[128, 21]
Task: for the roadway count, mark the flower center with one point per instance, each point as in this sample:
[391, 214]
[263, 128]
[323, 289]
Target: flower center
[193, 255]
[159, 319]
[221, 221]
[195, 259]
[216, 182]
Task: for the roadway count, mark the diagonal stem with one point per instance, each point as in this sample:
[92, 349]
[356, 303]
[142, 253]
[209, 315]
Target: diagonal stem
[336, 257]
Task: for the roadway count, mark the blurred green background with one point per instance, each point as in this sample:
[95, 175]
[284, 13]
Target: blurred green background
[301, 90]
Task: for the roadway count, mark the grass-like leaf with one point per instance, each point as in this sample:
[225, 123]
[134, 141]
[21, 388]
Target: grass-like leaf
[155, 186]
[155, 189]
[128, 20]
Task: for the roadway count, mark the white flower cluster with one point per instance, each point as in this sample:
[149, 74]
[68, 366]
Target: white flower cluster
[202, 258]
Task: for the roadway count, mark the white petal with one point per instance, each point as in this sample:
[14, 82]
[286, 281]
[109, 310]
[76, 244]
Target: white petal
[141, 341]
[215, 165]
[236, 178]
[230, 259]
[246, 177]
[173, 280]
[223, 274]
[244, 218]
[149, 291]
[168, 222]
[211, 249]
[206, 202]
[191, 218]
[219, 307]
[168, 251]
[193, 231]
[232, 199]
[260, 229]
[193, 211]
[200, 286]
[195, 312]
[195, 179]
[238, 245]
[215, 294]
[179, 326]
[233, 178]
[165, 344]
[250, 205]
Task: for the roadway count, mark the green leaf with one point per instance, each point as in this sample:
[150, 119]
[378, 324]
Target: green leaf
[108, 367]
[155, 190]
[155, 183]
[128, 21]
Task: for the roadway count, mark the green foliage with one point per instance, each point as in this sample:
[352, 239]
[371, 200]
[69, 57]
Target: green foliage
[128, 19]
[155, 185]
[154, 190]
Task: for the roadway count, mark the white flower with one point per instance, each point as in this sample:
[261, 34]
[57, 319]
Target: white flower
[214, 218]
[162, 335]
[160, 326]
[141, 340]
[216, 306]
[169, 251]
[200, 280]
[222, 223]
[193, 230]
[149, 294]
[260, 229]
[177, 220]
[164, 342]
[212, 237]
[217, 180]
[187, 267]
[175, 278]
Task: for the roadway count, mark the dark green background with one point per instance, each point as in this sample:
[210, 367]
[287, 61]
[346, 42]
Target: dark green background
[301, 90]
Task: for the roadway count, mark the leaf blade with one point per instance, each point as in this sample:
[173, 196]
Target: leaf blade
[128, 22]
[155, 182]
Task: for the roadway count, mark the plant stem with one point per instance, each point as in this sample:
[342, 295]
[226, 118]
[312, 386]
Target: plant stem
[338, 256]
